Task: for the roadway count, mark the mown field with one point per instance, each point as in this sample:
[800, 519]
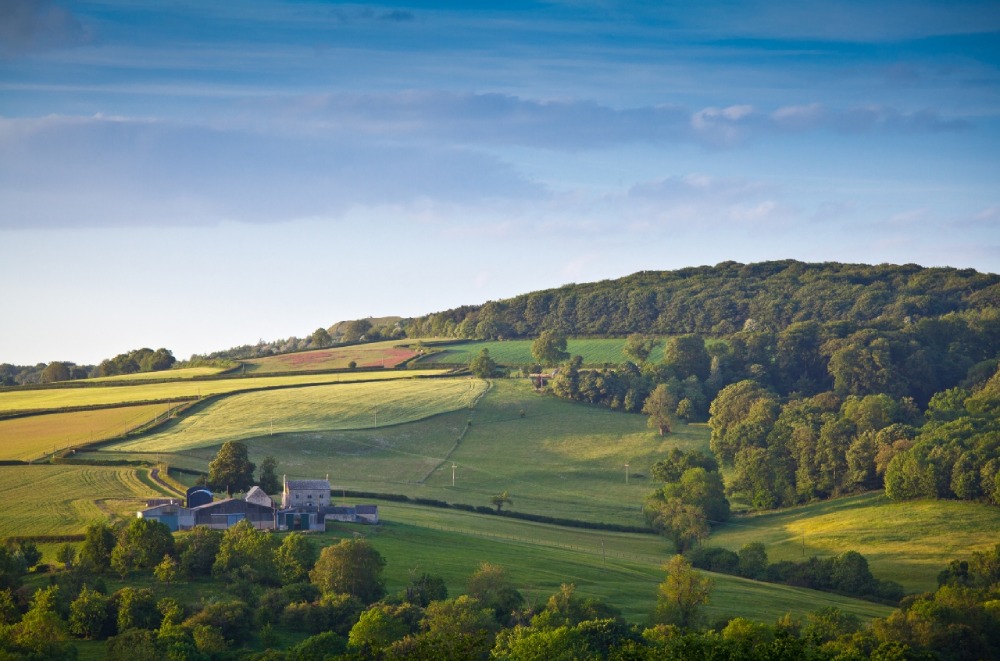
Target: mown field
[316, 408]
[62, 499]
[907, 542]
[621, 569]
[179, 373]
[376, 354]
[65, 397]
[31, 437]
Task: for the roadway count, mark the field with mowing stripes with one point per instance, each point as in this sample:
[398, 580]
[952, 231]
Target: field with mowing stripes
[32, 437]
[58, 398]
[61, 499]
[907, 542]
[621, 569]
[331, 407]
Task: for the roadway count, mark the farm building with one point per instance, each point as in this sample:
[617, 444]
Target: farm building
[219, 515]
[305, 493]
[315, 518]
[257, 495]
[172, 515]
[224, 513]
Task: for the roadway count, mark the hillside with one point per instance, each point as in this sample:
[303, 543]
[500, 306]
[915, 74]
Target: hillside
[725, 298]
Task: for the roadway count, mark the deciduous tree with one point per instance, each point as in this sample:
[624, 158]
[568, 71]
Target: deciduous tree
[351, 567]
[682, 594]
[231, 470]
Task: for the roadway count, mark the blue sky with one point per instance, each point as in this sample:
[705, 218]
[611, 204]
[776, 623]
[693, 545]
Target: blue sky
[201, 175]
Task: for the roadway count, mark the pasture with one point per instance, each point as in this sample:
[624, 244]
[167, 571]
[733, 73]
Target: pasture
[518, 352]
[376, 354]
[315, 408]
[907, 542]
[562, 458]
[621, 569]
[63, 499]
[48, 399]
[33, 436]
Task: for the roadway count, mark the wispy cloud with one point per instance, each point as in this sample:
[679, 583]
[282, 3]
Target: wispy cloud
[33, 25]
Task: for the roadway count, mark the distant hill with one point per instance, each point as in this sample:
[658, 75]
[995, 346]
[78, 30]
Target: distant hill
[726, 298]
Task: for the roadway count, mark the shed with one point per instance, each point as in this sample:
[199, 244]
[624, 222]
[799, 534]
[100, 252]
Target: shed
[172, 515]
[257, 495]
[225, 513]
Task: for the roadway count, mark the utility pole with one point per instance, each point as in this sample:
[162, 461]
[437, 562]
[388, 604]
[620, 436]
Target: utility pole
[626, 473]
[453, 467]
[376, 416]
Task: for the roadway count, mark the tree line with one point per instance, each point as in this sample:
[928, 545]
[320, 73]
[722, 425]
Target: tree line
[138, 360]
[335, 603]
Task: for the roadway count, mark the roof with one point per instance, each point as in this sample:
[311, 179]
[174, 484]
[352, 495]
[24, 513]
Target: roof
[256, 491]
[367, 509]
[308, 484]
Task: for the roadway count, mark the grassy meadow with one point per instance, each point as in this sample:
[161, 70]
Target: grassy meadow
[518, 352]
[45, 399]
[63, 499]
[621, 569]
[907, 542]
[315, 408]
[562, 458]
[35, 436]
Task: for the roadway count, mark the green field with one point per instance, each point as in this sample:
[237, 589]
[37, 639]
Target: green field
[562, 459]
[907, 542]
[518, 352]
[621, 569]
[316, 408]
[62, 397]
[376, 354]
[61, 499]
[33, 436]
[179, 373]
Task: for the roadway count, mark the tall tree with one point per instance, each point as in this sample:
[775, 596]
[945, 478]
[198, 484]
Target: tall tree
[321, 338]
[549, 348]
[661, 407]
[483, 365]
[231, 470]
[351, 567]
[681, 594]
[269, 482]
[638, 347]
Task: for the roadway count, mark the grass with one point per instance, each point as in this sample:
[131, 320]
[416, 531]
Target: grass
[907, 542]
[179, 373]
[518, 352]
[62, 499]
[46, 399]
[621, 569]
[316, 408]
[32, 437]
[376, 354]
[562, 459]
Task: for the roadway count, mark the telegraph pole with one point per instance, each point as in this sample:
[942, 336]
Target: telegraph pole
[626, 473]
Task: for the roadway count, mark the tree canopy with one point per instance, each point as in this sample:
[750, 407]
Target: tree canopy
[231, 470]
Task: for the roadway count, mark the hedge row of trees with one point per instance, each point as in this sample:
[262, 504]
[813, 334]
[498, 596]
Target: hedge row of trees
[847, 573]
[337, 599]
